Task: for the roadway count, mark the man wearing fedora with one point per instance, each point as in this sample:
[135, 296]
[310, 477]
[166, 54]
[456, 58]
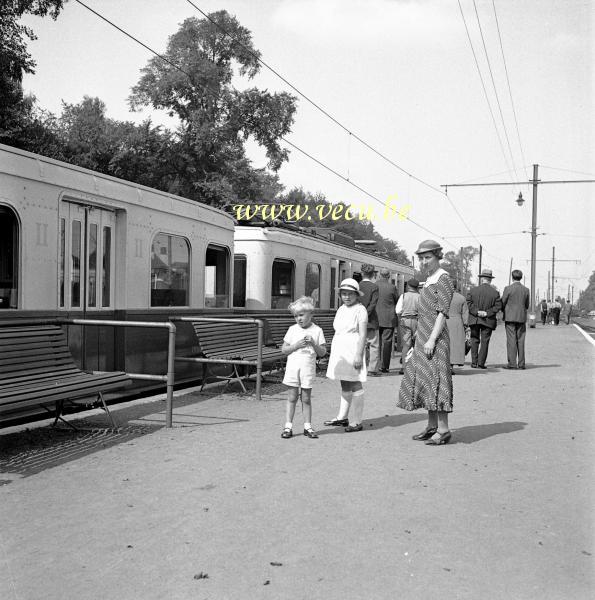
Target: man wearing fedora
[515, 302]
[370, 300]
[484, 304]
[387, 319]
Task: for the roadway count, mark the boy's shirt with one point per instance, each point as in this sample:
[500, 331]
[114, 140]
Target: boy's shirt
[296, 333]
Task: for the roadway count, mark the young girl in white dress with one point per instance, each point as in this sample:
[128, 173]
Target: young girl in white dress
[346, 361]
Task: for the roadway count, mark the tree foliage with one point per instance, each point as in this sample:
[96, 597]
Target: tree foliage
[587, 296]
[215, 118]
[457, 265]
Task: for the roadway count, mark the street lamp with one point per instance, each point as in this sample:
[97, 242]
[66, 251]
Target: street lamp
[520, 200]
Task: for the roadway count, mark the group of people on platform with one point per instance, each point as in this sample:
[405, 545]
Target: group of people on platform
[436, 325]
[552, 311]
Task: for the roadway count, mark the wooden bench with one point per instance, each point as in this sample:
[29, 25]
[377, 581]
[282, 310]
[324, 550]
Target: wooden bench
[233, 342]
[37, 369]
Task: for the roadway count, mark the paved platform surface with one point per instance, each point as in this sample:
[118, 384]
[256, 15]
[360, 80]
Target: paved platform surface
[220, 507]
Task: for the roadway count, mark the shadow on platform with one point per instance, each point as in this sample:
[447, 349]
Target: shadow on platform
[381, 423]
[476, 433]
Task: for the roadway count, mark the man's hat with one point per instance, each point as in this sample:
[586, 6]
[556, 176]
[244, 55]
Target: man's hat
[350, 285]
[428, 246]
[413, 283]
[486, 273]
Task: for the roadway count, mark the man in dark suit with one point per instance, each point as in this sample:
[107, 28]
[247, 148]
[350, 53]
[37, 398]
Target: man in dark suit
[369, 300]
[515, 302]
[387, 319]
[484, 304]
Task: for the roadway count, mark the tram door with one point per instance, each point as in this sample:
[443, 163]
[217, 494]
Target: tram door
[86, 257]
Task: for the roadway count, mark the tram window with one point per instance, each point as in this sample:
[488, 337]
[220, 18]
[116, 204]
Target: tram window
[333, 283]
[9, 258]
[239, 280]
[313, 282]
[106, 267]
[217, 277]
[170, 266]
[62, 261]
[282, 283]
[92, 276]
[75, 277]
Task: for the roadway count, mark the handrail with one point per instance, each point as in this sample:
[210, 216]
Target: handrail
[171, 349]
[258, 322]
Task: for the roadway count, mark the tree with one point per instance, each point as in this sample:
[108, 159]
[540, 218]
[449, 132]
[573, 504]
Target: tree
[15, 60]
[587, 296]
[215, 118]
[457, 265]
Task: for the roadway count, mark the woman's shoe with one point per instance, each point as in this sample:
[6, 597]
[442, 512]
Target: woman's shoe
[351, 428]
[286, 433]
[310, 433]
[337, 422]
[426, 434]
[443, 439]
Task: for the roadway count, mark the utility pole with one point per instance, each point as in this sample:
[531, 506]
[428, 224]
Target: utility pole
[480, 254]
[553, 267]
[510, 271]
[534, 182]
[549, 281]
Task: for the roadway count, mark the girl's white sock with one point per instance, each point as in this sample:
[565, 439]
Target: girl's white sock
[307, 425]
[344, 405]
[289, 425]
[358, 407]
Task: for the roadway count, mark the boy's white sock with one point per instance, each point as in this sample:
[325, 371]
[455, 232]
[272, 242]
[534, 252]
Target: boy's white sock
[307, 425]
[358, 407]
[289, 425]
[344, 405]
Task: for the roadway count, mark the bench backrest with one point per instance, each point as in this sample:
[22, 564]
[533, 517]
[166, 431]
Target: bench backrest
[27, 352]
[229, 339]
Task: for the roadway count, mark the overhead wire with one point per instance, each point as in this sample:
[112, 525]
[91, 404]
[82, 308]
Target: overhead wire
[313, 103]
[485, 49]
[174, 65]
[510, 90]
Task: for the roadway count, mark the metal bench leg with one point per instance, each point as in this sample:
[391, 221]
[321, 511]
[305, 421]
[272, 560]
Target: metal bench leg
[105, 408]
[58, 414]
[238, 378]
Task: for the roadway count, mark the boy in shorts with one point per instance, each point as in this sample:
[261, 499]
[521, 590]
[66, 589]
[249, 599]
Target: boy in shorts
[302, 343]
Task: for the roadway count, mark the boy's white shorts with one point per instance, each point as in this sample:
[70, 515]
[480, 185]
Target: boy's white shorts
[300, 375]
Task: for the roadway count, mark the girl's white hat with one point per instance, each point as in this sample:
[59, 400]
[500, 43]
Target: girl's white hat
[350, 285]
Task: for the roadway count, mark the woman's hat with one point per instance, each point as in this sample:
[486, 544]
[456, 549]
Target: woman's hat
[428, 246]
[413, 283]
[486, 273]
[350, 285]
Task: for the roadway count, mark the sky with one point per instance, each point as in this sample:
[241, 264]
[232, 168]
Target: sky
[400, 75]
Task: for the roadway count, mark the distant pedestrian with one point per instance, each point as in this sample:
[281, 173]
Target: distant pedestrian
[567, 312]
[407, 310]
[370, 300]
[347, 360]
[458, 325]
[302, 343]
[556, 308]
[428, 380]
[387, 320]
[484, 304]
[515, 302]
[543, 309]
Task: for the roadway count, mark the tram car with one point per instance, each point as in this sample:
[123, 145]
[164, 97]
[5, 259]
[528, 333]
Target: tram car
[79, 244]
[273, 265]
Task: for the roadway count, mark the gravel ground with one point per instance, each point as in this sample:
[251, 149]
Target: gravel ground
[220, 507]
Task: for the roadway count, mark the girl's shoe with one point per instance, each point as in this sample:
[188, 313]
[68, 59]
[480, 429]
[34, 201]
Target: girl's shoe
[310, 433]
[443, 439]
[337, 422]
[287, 433]
[351, 428]
[426, 434]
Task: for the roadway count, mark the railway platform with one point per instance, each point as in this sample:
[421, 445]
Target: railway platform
[220, 507]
